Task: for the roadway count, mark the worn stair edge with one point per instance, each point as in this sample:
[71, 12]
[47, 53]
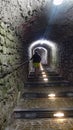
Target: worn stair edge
[41, 113]
[30, 95]
[47, 84]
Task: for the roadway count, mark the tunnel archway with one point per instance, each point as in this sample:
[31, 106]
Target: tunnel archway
[45, 44]
[43, 52]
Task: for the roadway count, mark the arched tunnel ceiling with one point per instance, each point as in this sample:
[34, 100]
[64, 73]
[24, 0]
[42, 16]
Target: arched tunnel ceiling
[33, 19]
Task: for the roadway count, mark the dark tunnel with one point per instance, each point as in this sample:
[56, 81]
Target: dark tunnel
[27, 26]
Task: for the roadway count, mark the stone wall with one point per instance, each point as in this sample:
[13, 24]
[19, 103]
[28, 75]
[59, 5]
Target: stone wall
[62, 35]
[16, 13]
[10, 82]
[66, 60]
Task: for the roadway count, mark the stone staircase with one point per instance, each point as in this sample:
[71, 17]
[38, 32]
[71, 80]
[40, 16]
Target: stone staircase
[40, 101]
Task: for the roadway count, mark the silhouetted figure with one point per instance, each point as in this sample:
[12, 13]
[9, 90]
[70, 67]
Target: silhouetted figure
[36, 59]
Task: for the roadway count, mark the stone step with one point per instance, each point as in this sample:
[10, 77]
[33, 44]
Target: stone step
[54, 102]
[41, 113]
[47, 80]
[43, 89]
[47, 84]
[31, 95]
[35, 79]
[55, 77]
[48, 73]
[42, 124]
[50, 78]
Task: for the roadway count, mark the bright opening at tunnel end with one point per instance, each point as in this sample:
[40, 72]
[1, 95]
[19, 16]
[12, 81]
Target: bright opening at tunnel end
[57, 2]
[50, 45]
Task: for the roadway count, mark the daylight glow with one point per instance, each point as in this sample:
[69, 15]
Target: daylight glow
[41, 43]
[43, 52]
[59, 114]
[57, 2]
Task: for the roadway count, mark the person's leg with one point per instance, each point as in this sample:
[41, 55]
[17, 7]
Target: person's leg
[36, 74]
[37, 68]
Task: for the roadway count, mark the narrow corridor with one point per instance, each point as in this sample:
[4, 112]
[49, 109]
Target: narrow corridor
[40, 102]
[27, 102]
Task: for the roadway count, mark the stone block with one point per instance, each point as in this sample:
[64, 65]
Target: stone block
[13, 45]
[14, 51]
[2, 40]
[4, 91]
[11, 32]
[2, 25]
[0, 93]
[18, 44]
[11, 51]
[4, 50]
[0, 68]
[2, 32]
[9, 36]
[9, 43]
[3, 59]
[11, 60]
[1, 83]
[1, 49]
[4, 68]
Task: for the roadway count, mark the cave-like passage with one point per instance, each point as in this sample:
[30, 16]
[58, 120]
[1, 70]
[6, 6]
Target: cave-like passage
[46, 56]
